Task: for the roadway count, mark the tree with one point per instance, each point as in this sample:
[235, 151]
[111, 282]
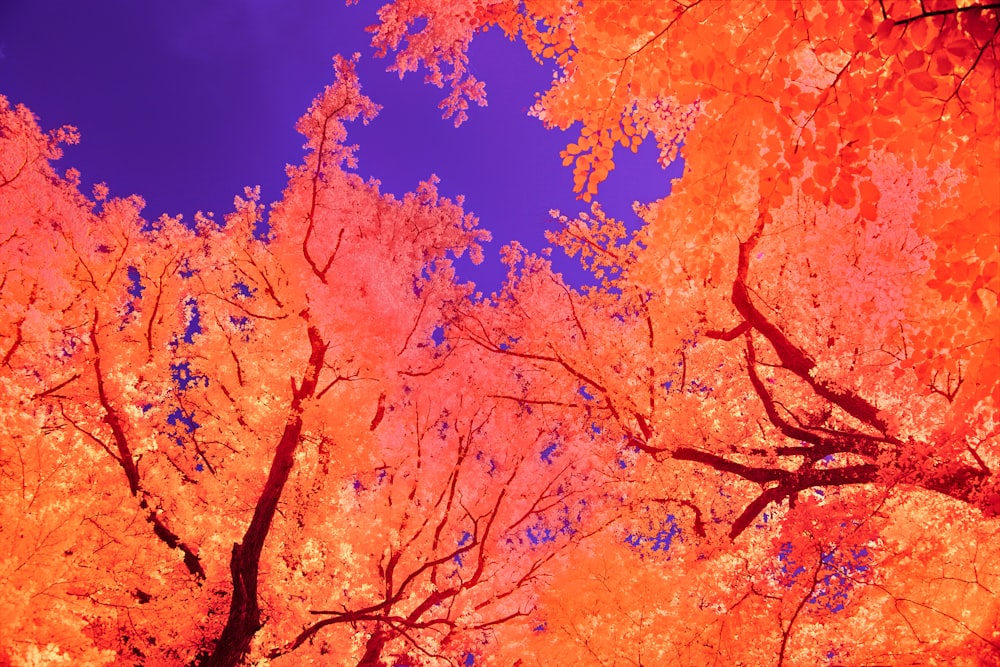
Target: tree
[813, 309]
[235, 443]
[297, 438]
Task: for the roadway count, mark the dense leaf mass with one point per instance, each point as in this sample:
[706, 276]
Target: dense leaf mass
[766, 434]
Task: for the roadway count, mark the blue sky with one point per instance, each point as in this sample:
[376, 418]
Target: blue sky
[186, 101]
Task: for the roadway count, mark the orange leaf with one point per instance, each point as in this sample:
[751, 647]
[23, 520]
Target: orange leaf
[868, 191]
[858, 110]
[923, 81]
[861, 42]
[888, 39]
[843, 193]
[915, 60]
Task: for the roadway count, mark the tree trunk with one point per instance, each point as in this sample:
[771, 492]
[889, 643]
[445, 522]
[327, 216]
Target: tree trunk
[373, 649]
[244, 613]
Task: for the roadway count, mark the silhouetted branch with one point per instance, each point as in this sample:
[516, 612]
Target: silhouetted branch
[945, 12]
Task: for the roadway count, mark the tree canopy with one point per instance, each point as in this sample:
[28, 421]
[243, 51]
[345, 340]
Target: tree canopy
[765, 434]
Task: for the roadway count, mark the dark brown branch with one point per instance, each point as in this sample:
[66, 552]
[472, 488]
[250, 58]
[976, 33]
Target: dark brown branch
[395, 622]
[791, 356]
[51, 391]
[961, 482]
[572, 306]
[379, 412]
[943, 12]
[758, 475]
[152, 315]
[172, 540]
[13, 346]
[793, 483]
[413, 329]
[786, 632]
[732, 334]
[24, 163]
[128, 465]
[824, 441]
[389, 624]
[103, 445]
[647, 432]
[767, 400]
[788, 484]
[243, 620]
[753, 510]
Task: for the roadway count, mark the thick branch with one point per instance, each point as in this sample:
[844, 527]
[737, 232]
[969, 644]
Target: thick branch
[957, 480]
[770, 408]
[126, 461]
[788, 484]
[792, 357]
[732, 334]
[758, 475]
[800, 481]
[243, 621]
[824, 441]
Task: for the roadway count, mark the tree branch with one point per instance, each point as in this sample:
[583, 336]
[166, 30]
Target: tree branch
[128, 464]
[943, 12]
[243, 620]
[792, 357]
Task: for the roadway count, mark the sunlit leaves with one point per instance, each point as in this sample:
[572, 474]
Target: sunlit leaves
[849, 146]
[772, 417]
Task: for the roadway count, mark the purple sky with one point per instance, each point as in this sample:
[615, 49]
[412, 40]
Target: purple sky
[186, 101]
